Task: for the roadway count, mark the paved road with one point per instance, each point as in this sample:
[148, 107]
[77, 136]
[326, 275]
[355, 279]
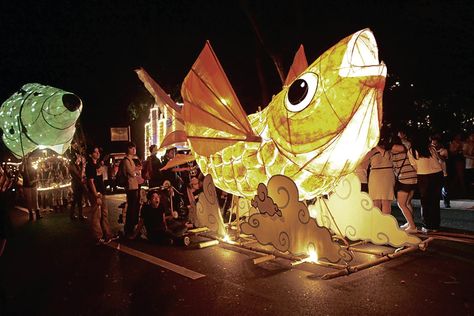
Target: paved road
[51, 267]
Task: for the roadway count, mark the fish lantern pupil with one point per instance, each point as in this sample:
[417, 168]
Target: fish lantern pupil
[298, 91]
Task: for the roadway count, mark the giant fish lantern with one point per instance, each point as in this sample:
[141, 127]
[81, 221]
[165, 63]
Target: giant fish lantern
[315, 131]
[39, 116]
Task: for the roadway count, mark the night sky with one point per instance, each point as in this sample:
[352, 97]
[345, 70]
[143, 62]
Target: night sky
[91, 47]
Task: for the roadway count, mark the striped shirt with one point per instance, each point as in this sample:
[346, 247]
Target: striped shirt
[404, 171]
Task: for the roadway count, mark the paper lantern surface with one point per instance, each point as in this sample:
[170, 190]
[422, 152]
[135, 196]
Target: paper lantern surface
[39, 116]
[315, 131]
[284, 222]
[351, 213]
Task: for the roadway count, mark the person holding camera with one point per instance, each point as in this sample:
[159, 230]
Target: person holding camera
[96, 187]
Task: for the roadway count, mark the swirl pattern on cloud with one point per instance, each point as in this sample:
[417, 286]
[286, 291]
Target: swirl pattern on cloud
[293, 231]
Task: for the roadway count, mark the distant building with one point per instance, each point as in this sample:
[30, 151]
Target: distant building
[160, 124]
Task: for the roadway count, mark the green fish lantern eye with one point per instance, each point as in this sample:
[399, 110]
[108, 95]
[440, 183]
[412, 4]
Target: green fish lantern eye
[301, 92]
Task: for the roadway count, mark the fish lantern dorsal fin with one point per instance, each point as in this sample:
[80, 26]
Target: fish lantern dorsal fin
[299, 65]
[213, 114]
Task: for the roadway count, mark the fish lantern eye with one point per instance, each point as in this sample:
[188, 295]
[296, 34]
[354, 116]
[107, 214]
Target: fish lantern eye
[301, 92]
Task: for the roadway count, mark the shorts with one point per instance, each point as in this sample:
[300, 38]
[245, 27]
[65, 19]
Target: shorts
[399, 186]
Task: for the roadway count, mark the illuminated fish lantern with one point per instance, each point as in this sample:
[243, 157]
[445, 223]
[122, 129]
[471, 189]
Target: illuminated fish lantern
[315, 131]
[39, 116]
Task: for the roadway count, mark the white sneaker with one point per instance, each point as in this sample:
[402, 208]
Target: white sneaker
[410, 230]
[425, 230]
[404, 226]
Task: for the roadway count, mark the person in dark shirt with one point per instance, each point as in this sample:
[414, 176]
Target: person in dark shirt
[100, 212]
[160, 228]
[170, 174]
[76, 168]
[154, 166]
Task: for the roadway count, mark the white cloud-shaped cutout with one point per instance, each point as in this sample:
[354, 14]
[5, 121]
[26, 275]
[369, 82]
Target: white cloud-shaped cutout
[350, 212]
[294, 230]
[207, 208]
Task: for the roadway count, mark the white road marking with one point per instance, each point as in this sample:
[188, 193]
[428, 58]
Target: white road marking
[157, 261]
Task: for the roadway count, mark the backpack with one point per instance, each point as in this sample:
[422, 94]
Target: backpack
[121, 177]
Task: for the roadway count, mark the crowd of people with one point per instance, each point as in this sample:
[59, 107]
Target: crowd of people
[164, 213]
[400, 166]
[403, 164]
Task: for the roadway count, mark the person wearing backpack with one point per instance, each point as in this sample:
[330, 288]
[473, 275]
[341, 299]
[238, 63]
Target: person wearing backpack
[131, 189]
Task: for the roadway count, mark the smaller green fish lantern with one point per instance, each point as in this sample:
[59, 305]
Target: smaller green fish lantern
[39, 116]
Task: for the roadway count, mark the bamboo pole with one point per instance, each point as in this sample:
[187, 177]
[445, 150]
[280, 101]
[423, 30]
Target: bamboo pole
[295, 259]
[351, 269]
[262, 259]
[367, 251]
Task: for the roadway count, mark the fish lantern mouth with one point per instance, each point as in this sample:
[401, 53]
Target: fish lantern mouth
[71, 102]
[362, 57]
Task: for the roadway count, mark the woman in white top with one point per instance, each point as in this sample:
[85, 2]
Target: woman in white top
[425, 160]
[381, 177]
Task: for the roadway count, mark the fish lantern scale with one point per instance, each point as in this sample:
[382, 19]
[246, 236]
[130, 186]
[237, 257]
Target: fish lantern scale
[39, 116]
[315, 131]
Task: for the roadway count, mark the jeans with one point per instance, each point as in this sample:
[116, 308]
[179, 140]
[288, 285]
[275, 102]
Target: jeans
[131, 219]
[430, 187]
[100, 218]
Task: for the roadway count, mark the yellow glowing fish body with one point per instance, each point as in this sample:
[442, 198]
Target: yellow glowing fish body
[316, 130]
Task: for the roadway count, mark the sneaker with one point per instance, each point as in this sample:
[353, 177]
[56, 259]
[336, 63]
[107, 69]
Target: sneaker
[100, 242]
[82, 218]
[114, 237]
[410, 230]
[425, 230]
[404, 226]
